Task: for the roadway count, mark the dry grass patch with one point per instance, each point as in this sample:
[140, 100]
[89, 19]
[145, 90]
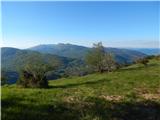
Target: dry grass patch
[112, 97]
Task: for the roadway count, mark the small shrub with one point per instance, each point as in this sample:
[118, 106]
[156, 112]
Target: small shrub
[157, 57]
[143, 61]
[28, 80]
[34, 72]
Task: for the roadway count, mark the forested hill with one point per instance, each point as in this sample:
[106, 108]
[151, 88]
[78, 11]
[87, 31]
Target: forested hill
[75, 51]
[13, 58]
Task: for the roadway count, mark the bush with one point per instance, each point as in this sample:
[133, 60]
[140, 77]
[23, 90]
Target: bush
[157, 57]
[143, 61]
[34, 72]
[4, 78]
[29, 80]
[150, 57]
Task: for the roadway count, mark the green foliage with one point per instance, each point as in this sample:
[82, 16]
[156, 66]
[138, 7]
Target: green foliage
[157, 57]
[99, 59]
[143, 61]
[29, 80]
[34, 72]
[150, 57]
[96, 54]
[16, 59]
[130, 93]
[109, 62]
[3, 80]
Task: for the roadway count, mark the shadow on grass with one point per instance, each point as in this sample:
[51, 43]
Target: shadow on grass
[78, 84]
[91, 108]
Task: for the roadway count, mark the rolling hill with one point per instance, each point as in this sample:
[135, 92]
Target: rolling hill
[130, 93]
[75, 51]
[13, 59]
[148, 51]
[65, 50]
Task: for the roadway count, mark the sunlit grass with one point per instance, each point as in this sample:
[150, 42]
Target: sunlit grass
[116, 95]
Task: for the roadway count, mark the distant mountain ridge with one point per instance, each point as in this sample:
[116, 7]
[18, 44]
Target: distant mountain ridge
[65, 50]
[13, 59]
[79, 52]
[148, 51]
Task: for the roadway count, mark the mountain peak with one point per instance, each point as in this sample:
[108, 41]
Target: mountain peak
[64, 44]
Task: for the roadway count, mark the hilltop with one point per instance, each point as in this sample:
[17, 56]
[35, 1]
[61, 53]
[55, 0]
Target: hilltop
[130, 93]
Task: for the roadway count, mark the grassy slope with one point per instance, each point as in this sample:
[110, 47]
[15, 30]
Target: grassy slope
[132, 93]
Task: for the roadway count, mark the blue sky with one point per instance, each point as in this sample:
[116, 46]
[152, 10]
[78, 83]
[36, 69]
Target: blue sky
[115, 24]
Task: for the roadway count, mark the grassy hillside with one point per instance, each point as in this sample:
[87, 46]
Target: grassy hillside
[132, 93]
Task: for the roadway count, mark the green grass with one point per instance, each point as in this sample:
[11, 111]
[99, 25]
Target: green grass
[131, 93]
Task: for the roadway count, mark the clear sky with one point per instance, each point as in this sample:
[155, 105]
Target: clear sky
[115, 24]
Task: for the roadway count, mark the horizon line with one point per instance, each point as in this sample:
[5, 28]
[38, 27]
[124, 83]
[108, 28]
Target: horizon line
[129, 47]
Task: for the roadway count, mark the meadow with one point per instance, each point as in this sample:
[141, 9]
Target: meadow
[130, 93]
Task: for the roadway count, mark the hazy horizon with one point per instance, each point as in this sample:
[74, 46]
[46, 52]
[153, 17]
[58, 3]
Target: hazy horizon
[115, 24]
[79, 45]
